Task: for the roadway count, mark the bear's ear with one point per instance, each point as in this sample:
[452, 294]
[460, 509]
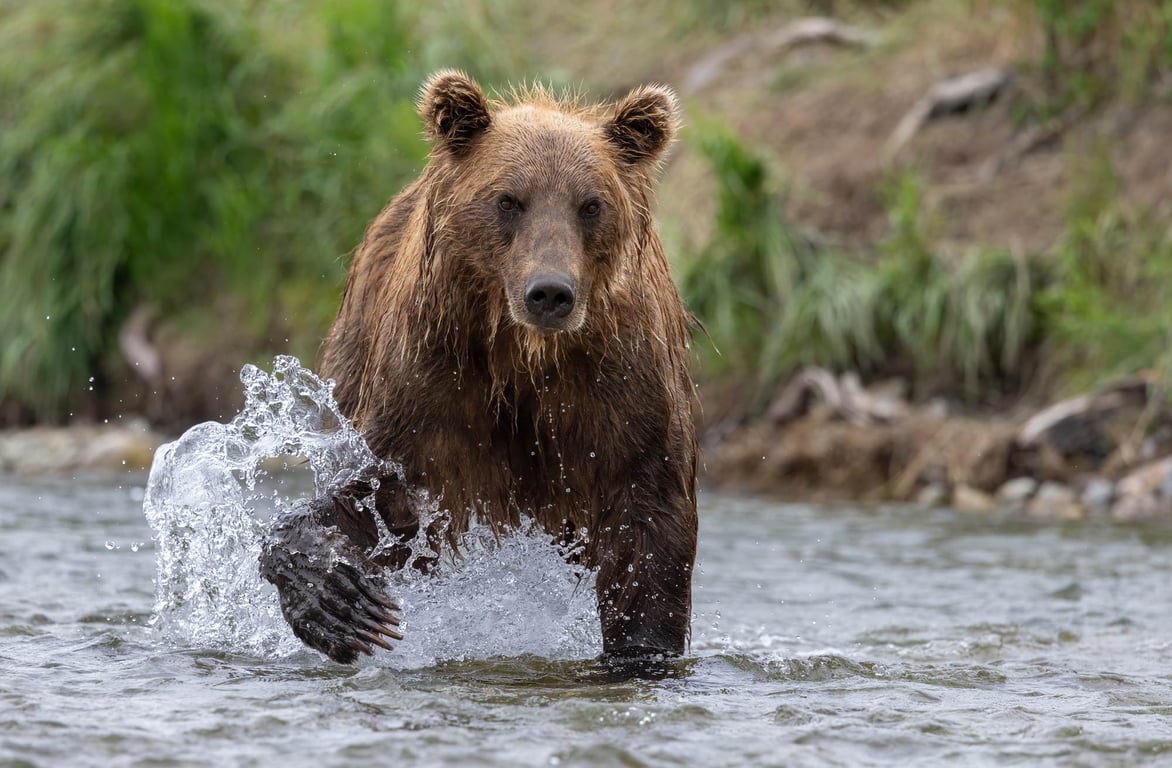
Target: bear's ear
[453, 109]
[644, 124]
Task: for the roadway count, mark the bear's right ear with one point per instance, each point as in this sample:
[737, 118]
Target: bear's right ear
[453, 109]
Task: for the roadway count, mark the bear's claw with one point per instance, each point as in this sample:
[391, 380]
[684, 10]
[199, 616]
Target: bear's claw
[330, 603]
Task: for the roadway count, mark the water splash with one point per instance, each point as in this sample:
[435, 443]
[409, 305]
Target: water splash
[210, 496]
[510, 596]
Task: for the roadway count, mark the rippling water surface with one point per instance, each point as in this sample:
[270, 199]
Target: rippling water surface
[822, 636]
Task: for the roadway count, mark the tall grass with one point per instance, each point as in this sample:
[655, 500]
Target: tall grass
[1112, 308]
[773, 300]
[193, 155]
[771, 297]
[1096, 50]
[1094, 306]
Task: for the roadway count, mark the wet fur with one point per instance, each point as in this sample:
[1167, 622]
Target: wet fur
[586, 431]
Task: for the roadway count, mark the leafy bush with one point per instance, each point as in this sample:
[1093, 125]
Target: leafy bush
[773, 299]
[181, 153]
[1111, 309]
[1097, 49]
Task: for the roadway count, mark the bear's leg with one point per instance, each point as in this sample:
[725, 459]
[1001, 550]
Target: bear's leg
[333, 594]
[644, 579]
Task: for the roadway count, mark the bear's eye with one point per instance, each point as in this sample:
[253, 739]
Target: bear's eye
[508, 203]
[591, 209]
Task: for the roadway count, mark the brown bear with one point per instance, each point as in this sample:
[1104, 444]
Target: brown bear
[511, 335]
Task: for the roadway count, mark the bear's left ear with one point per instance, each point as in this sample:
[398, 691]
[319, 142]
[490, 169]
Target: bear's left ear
[453, 109]
[644, 124]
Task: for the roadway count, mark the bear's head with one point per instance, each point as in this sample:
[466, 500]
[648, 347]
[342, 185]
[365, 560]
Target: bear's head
[544, 202]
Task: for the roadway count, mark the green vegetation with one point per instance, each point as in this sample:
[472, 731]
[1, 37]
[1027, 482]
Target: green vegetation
[1099, 49]
[1111, 313]
[216, 160]
[984, 325]
[774, 299]
[164, 152]
[1096, 306]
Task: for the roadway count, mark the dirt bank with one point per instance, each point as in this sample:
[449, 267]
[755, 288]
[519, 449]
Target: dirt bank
[1102, 454]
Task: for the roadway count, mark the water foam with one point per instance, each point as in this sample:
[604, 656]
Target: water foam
[211, 495]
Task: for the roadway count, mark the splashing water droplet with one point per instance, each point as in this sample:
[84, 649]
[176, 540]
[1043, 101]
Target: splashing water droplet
[206, 505]
[202, 502]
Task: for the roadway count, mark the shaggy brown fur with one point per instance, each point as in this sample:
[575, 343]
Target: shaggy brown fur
[582, 419]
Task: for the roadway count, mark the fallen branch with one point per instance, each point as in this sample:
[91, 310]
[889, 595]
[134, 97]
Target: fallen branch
[819, 30]
[1064, 422]
[815, 30]
[844, 397]
[948, 97]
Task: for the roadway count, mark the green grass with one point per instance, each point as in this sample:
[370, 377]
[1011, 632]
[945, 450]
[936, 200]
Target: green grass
[1111, 311]
[190, 154]
[1095, 306]
[217, 160]
[1093, 51]
[773, 299]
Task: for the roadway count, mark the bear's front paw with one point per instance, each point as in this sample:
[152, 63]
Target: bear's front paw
[331, 605]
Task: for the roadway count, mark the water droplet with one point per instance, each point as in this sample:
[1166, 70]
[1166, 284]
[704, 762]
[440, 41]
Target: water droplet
[286, 412]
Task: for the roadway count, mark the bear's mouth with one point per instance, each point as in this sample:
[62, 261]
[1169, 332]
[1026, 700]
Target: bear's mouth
[545, 326]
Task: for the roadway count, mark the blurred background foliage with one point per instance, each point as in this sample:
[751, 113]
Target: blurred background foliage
[214, 161]
[776, 299]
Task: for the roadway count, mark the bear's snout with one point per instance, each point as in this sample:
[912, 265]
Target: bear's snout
[549, 299]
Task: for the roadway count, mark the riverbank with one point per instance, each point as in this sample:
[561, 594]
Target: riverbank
[970, 199]
[1104, 454]
[972, 196]
[126, 445]
[1101, 455]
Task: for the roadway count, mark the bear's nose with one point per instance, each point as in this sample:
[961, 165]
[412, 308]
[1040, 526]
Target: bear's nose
[549, 298]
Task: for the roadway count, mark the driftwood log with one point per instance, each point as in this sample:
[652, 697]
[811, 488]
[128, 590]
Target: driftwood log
[955, 95]
[815, 30]
[843, 396]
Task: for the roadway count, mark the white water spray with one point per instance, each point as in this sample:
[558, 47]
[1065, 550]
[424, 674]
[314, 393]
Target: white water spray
[210, 497]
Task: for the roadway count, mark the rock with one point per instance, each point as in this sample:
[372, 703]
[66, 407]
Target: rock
[1097, 495]
[1148, 479]
[1016, 492]
[1055, 501]
[129, 446]
[1145, 493]
[965, 498]
[931, 495]
[1139, 508]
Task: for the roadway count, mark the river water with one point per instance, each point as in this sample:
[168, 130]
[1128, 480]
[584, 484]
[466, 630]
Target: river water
[822, 636]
